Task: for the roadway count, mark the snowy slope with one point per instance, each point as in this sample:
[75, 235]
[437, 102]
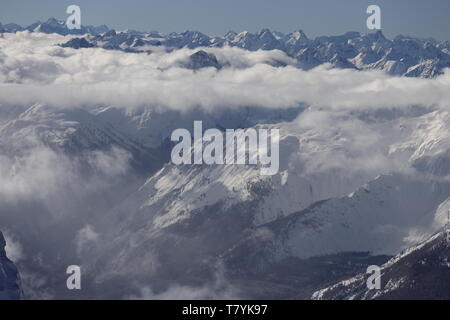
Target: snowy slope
[303, 177]
[184, 216]
[73, 131]
[382, 217]
[420, 272]
[159, 228]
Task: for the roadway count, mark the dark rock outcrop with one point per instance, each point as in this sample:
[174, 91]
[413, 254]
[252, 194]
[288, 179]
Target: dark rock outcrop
[10, 288]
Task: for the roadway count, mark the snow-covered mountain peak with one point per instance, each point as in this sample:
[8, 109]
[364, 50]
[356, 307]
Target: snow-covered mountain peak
[406, 56]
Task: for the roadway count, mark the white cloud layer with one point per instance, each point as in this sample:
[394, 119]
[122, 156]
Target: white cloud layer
[33, 69]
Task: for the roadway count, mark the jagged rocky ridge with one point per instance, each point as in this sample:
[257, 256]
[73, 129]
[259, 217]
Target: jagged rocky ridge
[405, 56]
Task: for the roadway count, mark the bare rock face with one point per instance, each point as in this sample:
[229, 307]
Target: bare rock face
[10, 288]
[202, 59]
[2, 244]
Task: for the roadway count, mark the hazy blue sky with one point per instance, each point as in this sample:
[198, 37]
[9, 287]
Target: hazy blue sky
[214, 17]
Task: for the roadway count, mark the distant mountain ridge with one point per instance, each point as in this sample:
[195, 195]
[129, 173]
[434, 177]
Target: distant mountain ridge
[402, 56]
[53, 25]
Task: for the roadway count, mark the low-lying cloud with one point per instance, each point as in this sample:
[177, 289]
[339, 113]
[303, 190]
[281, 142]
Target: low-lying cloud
[33, 69]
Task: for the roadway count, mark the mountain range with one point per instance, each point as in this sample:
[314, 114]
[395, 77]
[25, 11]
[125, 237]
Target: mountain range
[255, 227]
[93, 184]
[404, 55]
